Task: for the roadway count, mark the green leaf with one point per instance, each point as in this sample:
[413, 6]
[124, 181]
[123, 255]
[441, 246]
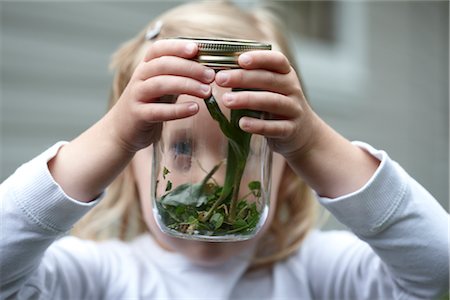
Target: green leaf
[217, 220]
[255, 187]
[216, 114]
[239, 223]
[252, 216]
[179, 210]
[169, 185]
[192, 220]
[165, 172]
[185, 194]
[189, 194]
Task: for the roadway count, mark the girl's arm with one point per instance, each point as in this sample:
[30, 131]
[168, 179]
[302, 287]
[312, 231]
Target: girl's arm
[39, 204]
[402, 222]
[406, 233]
[330, 164]
[34, 212]
[89, 163]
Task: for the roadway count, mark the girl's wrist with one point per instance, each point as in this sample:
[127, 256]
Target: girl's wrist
[113, 132]
[88, 164]
[310, 140]
[331, 164]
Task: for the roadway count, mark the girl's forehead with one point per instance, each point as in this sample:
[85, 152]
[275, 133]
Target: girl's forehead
[200, 128]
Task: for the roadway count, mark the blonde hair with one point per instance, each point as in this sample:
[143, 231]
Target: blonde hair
[119, 214]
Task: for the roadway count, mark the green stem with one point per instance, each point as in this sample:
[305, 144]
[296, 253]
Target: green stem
[238, 149]
[234, 198]
[238, 229]
[210, 174]
[210, 212]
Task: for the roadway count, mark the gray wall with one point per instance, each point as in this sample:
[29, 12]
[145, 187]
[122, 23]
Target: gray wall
[394, 67]
[383, 79]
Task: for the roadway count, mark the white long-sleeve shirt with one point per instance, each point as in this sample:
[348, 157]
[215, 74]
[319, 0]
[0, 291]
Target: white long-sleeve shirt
[398, 249]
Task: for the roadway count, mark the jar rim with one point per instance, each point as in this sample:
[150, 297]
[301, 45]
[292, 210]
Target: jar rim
[223, 52]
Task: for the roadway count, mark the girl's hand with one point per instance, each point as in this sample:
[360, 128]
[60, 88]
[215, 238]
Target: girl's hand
[328, 162]
[289, 128]
[85, 166]
[165, 71]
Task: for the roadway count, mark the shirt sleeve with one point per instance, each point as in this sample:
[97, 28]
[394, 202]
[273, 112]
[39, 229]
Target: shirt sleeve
[405, 232]
[34, 212]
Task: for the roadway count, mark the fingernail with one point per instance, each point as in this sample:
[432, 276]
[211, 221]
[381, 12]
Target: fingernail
[205, 88]
[190, 48]
[244, 123]
[222, 77]
[228, 98]
[245, 59]
[193, 107]
[209, 74]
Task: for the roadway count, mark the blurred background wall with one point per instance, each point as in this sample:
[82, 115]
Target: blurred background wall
[376, 71]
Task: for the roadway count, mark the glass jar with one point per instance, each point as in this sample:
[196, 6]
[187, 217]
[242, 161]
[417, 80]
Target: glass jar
[210, 179]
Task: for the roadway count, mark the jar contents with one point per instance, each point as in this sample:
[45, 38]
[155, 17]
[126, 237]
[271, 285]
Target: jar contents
[210, 179]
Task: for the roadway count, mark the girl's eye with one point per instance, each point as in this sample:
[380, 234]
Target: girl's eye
[182, 155]
[183, 148]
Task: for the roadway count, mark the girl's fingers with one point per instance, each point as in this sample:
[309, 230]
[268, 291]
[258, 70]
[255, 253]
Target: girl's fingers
[268, 128]
[273, 103]
[269, 60]
[172, 47]
[156, 87]
[160, 112]
[256, 79]
[172, 65]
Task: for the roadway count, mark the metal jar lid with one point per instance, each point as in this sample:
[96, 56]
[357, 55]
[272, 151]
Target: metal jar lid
[223, 53]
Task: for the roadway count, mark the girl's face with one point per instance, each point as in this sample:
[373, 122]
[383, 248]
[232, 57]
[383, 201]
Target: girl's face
[203, 253]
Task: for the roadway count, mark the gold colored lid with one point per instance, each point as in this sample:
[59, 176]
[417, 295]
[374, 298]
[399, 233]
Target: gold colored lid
[223, 53]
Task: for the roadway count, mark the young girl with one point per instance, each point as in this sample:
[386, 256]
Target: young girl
[399, 245]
